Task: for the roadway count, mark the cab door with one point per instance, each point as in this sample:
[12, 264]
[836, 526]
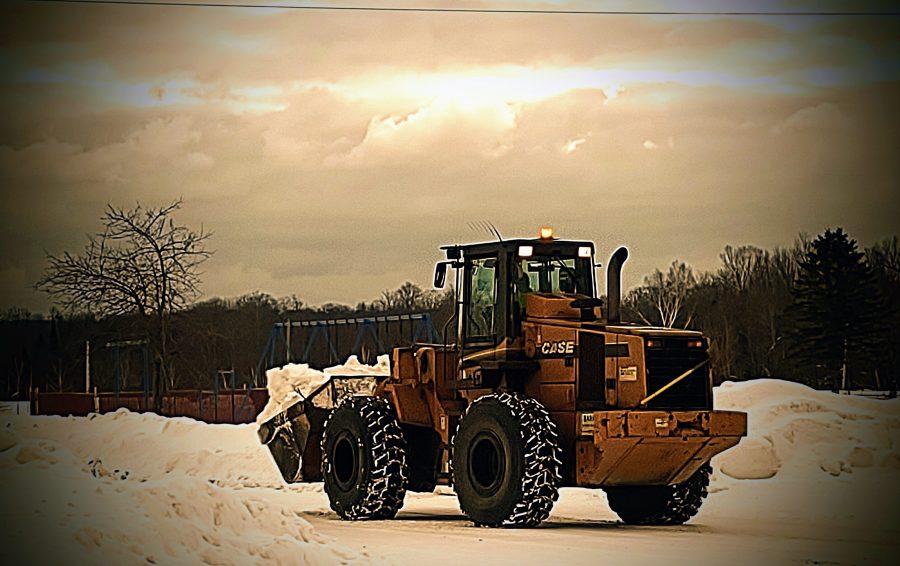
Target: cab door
[479, 320]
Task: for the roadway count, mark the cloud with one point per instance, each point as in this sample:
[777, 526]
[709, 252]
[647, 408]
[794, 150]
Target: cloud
[652, 145]
[158, 92]
[824, 116]
[200, 160]
[699, 34]
[573, 144]
[155, 142]
[446, 128]
[611, 91]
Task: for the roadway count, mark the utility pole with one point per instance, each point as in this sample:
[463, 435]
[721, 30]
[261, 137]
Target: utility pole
[87, 366]
[287, 343]
[844, 384]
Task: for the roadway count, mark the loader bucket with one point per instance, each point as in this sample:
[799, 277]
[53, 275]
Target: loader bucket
[286, 435]
[294, 436]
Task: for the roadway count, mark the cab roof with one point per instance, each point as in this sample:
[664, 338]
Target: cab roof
[455, 251]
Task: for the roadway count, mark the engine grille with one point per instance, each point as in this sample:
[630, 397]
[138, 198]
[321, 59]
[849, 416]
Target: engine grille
[590, 367]
[668, 362]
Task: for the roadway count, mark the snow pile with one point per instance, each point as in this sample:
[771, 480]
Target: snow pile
[151, 447]
[818, 473]
[130, 488]
[293, 382]
[798, 428]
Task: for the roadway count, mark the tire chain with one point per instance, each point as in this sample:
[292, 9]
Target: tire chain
[386, 486]
[541, 475]
[683, 501]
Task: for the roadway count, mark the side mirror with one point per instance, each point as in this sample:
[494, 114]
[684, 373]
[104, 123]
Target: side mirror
[440, 275]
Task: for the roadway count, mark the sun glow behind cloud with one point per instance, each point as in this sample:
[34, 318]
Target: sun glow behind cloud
[484, 86]
[516, 84]
[475, 86]
[472, 88]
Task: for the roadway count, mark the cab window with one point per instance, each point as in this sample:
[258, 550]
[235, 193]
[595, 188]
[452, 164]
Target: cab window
[482, 297]
[552, 274]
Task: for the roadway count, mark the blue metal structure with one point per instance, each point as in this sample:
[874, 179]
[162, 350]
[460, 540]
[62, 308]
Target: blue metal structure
[380, 333]
[319, 329]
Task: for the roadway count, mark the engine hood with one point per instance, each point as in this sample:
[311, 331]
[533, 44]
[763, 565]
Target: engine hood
[554, 306]
[649, 330]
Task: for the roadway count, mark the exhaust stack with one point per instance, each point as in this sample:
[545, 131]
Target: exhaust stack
[614, 286]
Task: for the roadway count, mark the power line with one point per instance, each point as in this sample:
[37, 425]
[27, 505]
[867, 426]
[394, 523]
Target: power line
[462, 10]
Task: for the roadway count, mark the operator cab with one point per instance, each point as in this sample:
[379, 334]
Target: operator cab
[493, 280]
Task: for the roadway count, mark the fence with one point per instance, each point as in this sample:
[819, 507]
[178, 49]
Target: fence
[233, 406]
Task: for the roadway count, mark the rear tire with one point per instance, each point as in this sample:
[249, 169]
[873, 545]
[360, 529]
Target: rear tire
[364, 460]
[506, 461]
[660, 504]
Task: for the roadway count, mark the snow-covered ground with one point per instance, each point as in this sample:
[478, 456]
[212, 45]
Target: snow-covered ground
[816, 482]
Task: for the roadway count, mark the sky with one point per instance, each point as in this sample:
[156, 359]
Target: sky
[330, 153]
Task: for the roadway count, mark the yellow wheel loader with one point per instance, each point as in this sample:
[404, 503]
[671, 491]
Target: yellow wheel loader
[534, 387]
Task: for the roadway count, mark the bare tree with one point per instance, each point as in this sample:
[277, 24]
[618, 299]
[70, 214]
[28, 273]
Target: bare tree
[389, 301]
[663, 298]
[740, 264]
[885, 256]
[142, 263]
[289, 304]
[409, 297]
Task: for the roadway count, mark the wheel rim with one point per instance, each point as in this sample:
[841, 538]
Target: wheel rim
[345, 461]
[487, 463]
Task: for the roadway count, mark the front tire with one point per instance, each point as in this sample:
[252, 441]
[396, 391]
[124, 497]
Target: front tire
[660, 504]
[364, 460]
[506, 461]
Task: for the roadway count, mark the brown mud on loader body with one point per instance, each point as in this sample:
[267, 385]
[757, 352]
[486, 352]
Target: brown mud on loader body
[538, 389]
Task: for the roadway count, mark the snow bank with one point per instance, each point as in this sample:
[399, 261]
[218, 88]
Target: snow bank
[795, 428]
[151, 447]
[818, 472]
[293, 382]
[129, 488]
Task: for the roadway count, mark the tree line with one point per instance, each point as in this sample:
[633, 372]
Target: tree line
[821, 312]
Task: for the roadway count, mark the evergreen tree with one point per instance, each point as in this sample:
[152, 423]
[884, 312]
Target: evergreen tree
[835, 310]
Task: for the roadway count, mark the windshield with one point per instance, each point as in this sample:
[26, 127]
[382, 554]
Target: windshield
[553, 274]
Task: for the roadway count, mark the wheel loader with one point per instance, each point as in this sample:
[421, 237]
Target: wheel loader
[536, 385]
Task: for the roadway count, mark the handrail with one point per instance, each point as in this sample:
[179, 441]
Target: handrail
[649, 398]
